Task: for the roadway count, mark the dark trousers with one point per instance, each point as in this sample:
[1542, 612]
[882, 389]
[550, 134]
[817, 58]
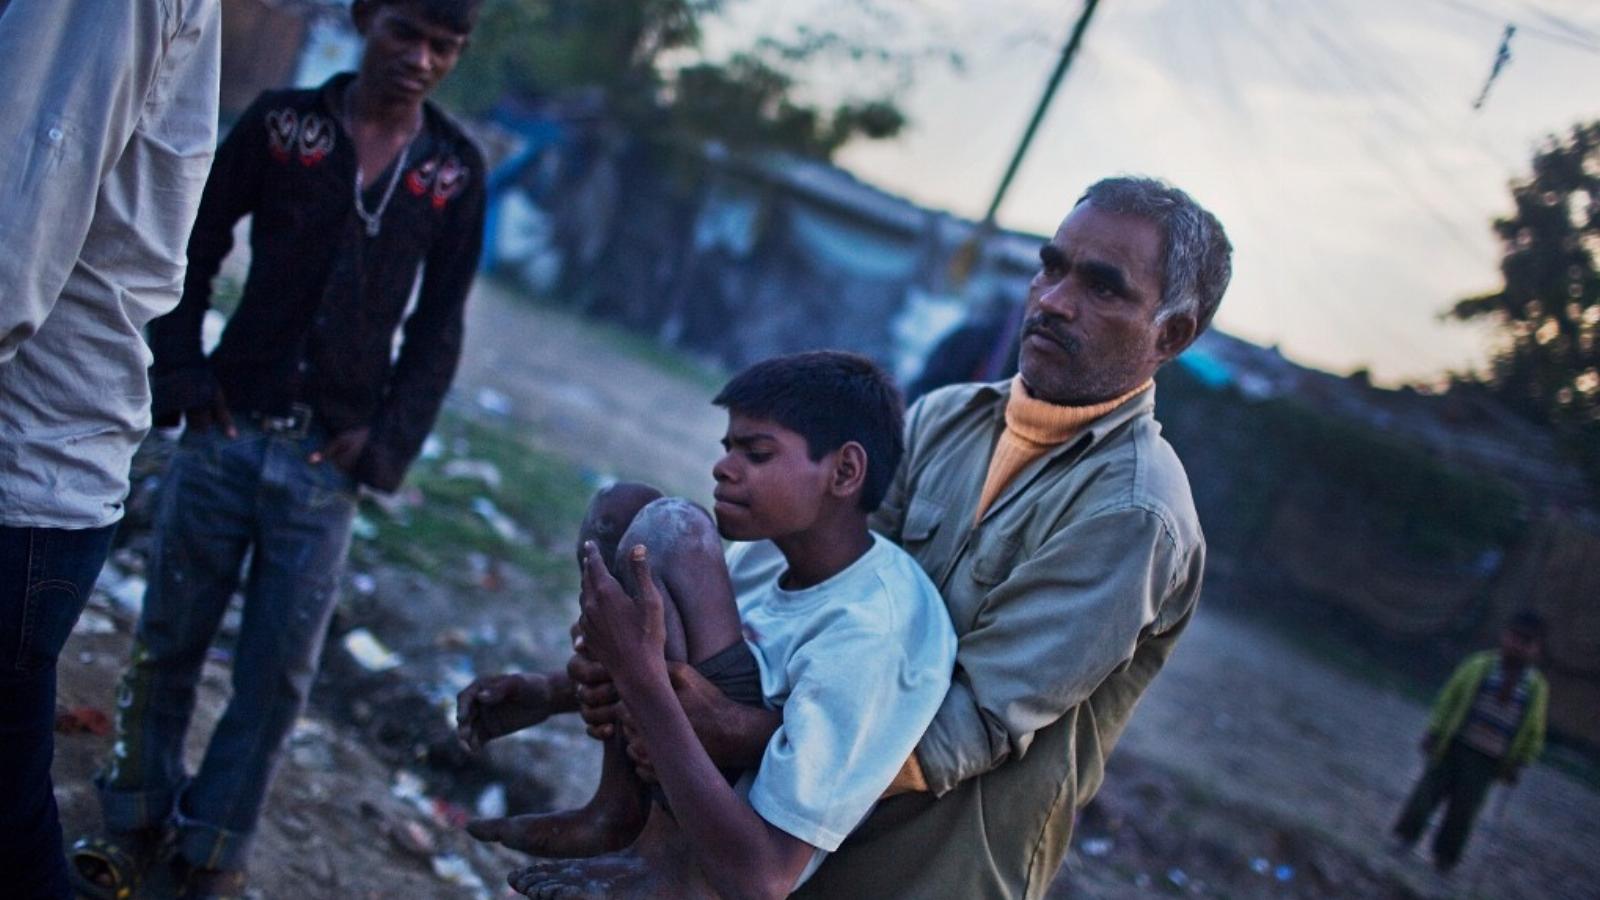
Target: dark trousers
[45, 578]
[1461, 780]
[225, 499]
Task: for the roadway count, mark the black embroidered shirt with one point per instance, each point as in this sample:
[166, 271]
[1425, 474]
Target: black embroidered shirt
[323, 299]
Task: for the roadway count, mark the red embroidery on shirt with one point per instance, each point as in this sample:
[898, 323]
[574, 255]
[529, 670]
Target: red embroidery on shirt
[418, 180]
[451, 179]
[283, 126]
[316, 139]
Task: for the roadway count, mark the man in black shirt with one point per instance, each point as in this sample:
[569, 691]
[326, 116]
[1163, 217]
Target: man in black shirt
[352, 187]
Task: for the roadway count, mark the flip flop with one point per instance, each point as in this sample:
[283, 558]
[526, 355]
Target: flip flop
[195, 883]
[124, 857]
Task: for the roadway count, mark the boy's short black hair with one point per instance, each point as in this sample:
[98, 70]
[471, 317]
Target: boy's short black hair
[828, 397]
[457, 15]
[1527, 623]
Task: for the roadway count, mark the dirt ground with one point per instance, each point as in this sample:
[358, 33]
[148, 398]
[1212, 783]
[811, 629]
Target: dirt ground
[1250, 770]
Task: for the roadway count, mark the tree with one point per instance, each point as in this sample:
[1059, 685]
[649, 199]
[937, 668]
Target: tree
[533, 48]
[1548, 363]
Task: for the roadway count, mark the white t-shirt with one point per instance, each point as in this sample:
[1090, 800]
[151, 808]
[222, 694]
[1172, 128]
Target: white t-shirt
[859, 664]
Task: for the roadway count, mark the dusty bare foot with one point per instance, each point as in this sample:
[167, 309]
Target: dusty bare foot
[623, 875]
[659, 864]
[566, 834]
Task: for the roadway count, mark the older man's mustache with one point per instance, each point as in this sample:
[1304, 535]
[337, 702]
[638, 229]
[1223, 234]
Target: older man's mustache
[1052, 328]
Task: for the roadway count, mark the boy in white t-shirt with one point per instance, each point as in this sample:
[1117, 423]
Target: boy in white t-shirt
[837, 628]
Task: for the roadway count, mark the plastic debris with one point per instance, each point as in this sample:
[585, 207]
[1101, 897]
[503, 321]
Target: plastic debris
[1178, 877]
[499, 521]
[128, 594]
[1284, 873]
[447, 814]
[455, 870]
[1096, 847]
[475, 469]
[83, 720]
[491, 803]
[92, 622]
[364, 584]
[492, 401]
[414, 838]
[364, 528]
[1260, 866]
[432, 447]
[369, 651]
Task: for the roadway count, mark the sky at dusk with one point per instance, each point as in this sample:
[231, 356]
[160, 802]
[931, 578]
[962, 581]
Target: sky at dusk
[1335, 139]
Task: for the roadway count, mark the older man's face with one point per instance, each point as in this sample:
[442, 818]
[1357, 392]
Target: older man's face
[1090, 332]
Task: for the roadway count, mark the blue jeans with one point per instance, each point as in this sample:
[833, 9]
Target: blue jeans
[224, 498]
[45, 577]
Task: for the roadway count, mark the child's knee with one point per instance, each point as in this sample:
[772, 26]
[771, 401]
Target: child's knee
[676, 532]
[611, 510]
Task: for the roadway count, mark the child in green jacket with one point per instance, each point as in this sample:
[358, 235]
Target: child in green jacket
[1487, 723]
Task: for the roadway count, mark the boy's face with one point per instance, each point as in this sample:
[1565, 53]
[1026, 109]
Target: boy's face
[768, 486]
[407, 54]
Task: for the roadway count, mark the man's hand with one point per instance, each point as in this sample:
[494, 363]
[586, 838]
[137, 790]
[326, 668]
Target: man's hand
[211, 415]
[627, 635]
[598, 703]
[908, 780]
[497, 705]
[345, 449]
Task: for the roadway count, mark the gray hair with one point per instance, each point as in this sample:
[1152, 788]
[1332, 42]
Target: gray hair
[1199, 259]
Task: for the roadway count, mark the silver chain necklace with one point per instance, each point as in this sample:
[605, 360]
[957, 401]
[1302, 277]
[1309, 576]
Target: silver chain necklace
[374, 219]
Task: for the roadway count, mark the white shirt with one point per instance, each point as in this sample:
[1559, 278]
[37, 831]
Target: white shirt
[110, 112]
[859, 665]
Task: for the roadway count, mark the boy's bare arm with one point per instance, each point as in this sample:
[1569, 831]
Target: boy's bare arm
[739, 852]
[496, 705]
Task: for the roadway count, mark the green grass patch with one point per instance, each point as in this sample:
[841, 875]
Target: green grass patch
[448, 513]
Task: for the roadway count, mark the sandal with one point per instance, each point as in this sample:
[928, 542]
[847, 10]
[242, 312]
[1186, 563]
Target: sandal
[122, 858]
[195, 883]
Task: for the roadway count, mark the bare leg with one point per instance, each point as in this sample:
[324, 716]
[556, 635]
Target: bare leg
[614, 815]
[686, 559]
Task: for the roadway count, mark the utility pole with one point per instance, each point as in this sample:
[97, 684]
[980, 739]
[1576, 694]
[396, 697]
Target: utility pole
[967, 257]
[1056, 77]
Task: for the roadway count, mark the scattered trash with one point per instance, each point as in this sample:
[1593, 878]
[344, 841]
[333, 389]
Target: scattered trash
[1284, 873]
[399, 504]
[364, 528]
[432, 447]
[453, 639]
[492, 802]
[448, 815]
[1096, 847]
[414, 838]
[364, 584]
[1260, 866]
[309, 746]
[478, 469]
[1178, 877]
[455, 870]
[485, 570]
[1141, 881]
[492, 401]
[83, 720]
[127, 594]
[499, 521]
[369, 651]
[91, 622]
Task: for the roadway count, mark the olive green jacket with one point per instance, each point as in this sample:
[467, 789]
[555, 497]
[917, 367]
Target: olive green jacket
[1455, 702]
[1067, 597]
